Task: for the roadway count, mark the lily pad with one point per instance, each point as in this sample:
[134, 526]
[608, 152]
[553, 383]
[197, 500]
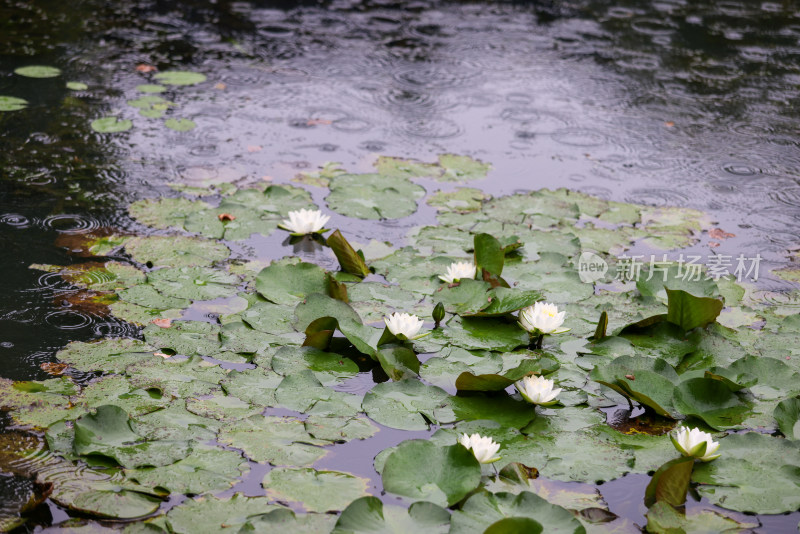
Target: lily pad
[12, 103]
[484, 509]
[277, 440]
[368, 515]
[419, 469]
[176, 251]
[462, 168]
[179, 77]
[290, 283]
[284, 520]
[373, 196]
[405, 405]
[180, 125]
[318, 491]
[216, 515]
[37, 71]
[787, 413]
[712, 401]
[111, 125]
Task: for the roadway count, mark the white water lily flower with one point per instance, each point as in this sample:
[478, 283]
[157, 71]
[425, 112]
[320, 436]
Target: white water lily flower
[305, 221]
[459, 270]
[403, 325]
[484, 448]
[537, 390]
[542, 318]
[690, 443]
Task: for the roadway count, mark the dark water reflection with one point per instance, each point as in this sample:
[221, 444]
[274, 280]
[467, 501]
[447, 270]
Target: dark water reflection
[665, 102]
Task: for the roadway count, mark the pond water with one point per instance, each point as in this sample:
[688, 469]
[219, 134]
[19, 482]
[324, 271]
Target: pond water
[663, 103]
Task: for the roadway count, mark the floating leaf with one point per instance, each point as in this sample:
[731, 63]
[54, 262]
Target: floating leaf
[462, 168]
[284, 520]
[421, 470]
[180, 125]
[485, 509]
[292, 283]
[712, 401]
[368, 515]
[12, 103]
[373, 196]
[37, 71]
[318, 491]
[688, 311]
[179, 77]
[216, 515]
[111, 125]
[277, 440]
[787, 413]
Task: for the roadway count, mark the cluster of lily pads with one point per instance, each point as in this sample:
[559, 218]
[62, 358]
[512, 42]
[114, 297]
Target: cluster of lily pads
[244, 362]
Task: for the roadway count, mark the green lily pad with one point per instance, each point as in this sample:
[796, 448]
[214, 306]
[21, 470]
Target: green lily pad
[463, 199]
[421, 470]
[339, 428]
[150, 88]
[373, 196]
[712, 401]
[328, 367]
[787, 413]
[176, 251]
[12, 103]
[194, 283]
[302, 392]
[478, 333]
[222, 407]
[756, 473]
[111, 125]
[164, 213]
[318, 491]
[185, 337]
[284, 520]
[405, 405]
[108, 355]
[652, 383]
[204, 469]
[175, 423]
[277, 440]
[175, 376]
[180, 125]
[462, 168]
[216, 515]
[290, 283]
[179, 77]
[368, 515]
[484, 509]
[37, 71]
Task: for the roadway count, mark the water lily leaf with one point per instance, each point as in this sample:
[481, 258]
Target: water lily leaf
[176, 377]
[350, 260]
[204, 469]
[478, 333]
[185, 337]
[277, 440]
[302, 392]
[318, 491]
[484, 509]
[398, 362]
[108, 433]
[462, 168]
[290, 284]
[111, 355]
[670, 483]
[194, 283]
[787, 413]
[503, 300]
[468, 381]
[664, 519]
[373, 196]
[710, 400]
[37, 71]
[764, 482]
[216, 515]
[652, 384]
[180, 125]
[405, 405]
[175, 423]
[463, 199]
[111, 125]
[338, 428]
[93, 493]
[150, 88]
[406, 168]
[256, 386]
[674, 276]
[775, 378]
[505, 410]
[284, 520]
[368, 515]
[469, 297]
[489, 254]
[319, 315]
[422, 470]
[222, 407]
[148, 296]
[164, 213]
[328, 367]
[373, 301]
[176, 251]
[117, 390]
[179, 77]
[688, 311]
[12, 103]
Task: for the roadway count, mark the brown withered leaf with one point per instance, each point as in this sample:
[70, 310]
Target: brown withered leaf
[224, 217]
[163, 323]
[719, 233]
[145, 68]
[55, 369]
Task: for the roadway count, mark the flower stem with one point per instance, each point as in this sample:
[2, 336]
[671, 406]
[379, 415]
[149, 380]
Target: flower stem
[539, 340]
